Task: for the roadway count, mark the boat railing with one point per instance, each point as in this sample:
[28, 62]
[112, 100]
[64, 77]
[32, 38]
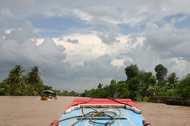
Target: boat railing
[136, 110]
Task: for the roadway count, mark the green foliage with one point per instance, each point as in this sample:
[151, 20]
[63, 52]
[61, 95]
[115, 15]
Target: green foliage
[18, 84]
[172, 80]
[33, 78]
[139, 85]
[16, 80]
[112, 88]
[46, 87]
[161, 72]
[183, 88]
[4, 89]
[122, 90]
[131, 71]
[133, 85]
[100, 85]
[66, 93]
[146, 78]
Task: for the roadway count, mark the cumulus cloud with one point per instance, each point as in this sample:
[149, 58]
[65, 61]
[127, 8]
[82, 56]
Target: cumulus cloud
[95, 67]
[99, 38]
[108, 38]
[19, 48]
[168, 41]
[161, 45]
[27, 31]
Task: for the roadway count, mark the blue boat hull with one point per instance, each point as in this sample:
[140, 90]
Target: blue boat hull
[101, 112]
[125, 117]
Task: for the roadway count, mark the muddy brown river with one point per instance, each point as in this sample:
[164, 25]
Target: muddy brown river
[31, 111]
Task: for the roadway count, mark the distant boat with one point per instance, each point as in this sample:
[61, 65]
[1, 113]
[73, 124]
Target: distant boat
[101, 112]
[48, 94]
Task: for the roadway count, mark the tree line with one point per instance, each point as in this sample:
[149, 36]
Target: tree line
[139, 84]
[31, 84]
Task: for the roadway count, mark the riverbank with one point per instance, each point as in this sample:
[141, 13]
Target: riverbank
[31, 111]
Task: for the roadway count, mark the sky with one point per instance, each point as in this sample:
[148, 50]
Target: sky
[78, 44]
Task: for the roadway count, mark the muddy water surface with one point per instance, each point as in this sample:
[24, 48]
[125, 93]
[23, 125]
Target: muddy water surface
[30, 111]
[165, 115]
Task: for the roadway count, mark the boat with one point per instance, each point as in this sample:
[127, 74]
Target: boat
[48, 94]
[44, 97]
[101, 112]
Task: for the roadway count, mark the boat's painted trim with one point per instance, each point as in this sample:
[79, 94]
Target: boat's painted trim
[136, 110]
[130, 113]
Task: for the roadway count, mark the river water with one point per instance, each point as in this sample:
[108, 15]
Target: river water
[31, 111]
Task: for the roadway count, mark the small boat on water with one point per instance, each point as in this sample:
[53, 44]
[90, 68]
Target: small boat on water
[48, 94]
[101, 112]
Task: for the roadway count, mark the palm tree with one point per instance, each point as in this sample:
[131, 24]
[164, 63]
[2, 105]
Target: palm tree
[15, 80]
[34, 79]
[172, 79]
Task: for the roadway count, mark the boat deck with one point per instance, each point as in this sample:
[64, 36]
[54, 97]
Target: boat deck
[98, 112]
[113, 116]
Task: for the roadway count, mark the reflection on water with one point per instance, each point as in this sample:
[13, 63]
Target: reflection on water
[31, 111]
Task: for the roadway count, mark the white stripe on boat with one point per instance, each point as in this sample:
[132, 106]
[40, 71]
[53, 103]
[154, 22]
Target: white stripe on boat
[104, 106]
[129, 120]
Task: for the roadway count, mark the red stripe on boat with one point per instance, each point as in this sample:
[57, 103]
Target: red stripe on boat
[55, 123]
[100, 101]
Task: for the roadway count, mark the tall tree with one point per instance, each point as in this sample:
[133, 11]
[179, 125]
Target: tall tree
[16, 80]
[122, 90]
[183, 88]
[161, 72]
[100, 86]
[131, 71]
[112, 88]
[172, 79]
[146, 78]
[133, 85]
[34, 79]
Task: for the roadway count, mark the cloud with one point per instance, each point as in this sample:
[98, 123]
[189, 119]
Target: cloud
[19, 48]
[109, 38]
[27, 31]
[165, 45]
[168, 41]
[74, 41]
[94, 68]
[78, 44]
[6, 17]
